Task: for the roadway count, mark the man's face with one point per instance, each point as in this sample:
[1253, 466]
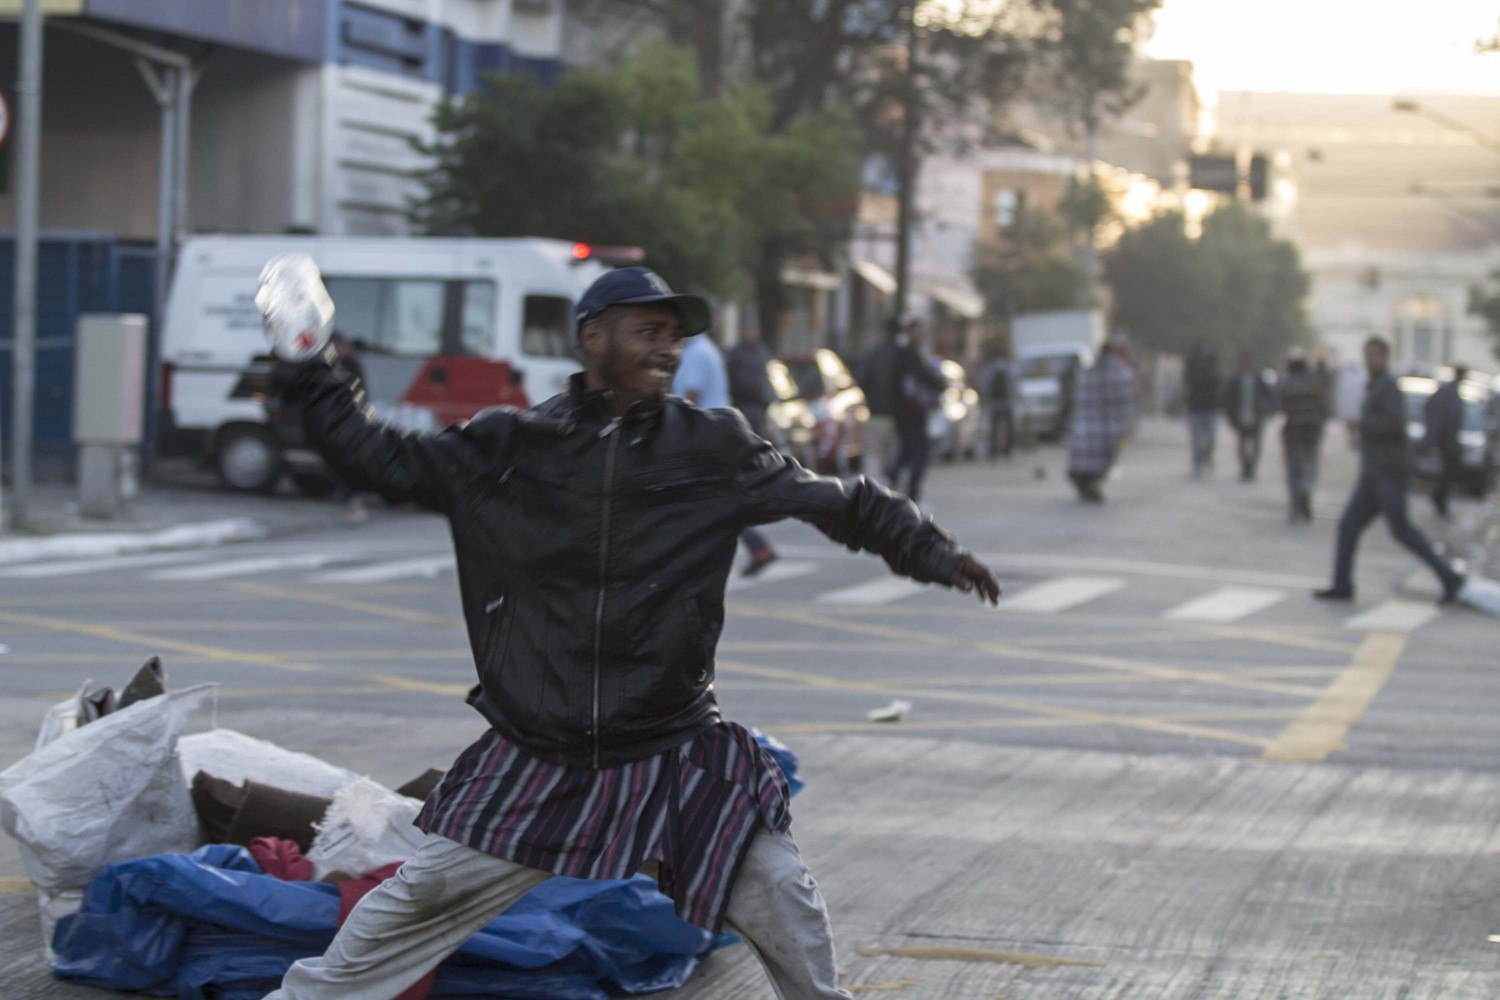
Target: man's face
[635, 350]
[1376, 359]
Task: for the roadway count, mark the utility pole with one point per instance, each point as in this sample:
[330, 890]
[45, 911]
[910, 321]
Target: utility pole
[907, 172]
[23, 323]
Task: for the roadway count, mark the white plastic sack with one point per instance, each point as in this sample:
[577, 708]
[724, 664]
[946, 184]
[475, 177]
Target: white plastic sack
[235, 757]
[53, 907]
[367, 827]
[61, 718]
[108, 791]
[1481, 594]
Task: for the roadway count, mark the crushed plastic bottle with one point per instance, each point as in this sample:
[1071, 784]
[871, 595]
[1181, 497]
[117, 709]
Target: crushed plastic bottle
[295, 307]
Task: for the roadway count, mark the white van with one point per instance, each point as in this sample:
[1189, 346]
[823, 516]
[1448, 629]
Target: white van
[442, 328]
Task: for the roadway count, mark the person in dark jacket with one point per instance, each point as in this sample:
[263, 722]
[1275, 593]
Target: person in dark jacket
[900, 388]
[1202, 382]
[1443, 415]
[1303, 402]
[1248, 403]
[594, 535]
[1383, 481]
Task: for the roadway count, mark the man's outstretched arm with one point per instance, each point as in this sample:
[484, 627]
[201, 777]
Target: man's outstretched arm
[430, 469]
[858, 513]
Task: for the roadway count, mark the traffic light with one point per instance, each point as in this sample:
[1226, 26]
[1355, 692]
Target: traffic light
[1259, 177]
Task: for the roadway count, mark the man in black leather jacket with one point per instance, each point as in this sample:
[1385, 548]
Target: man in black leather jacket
[594, 534]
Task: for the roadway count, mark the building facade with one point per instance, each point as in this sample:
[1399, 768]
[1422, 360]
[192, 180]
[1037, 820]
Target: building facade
[302, 117]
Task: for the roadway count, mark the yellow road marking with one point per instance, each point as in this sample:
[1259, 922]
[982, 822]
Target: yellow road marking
[348, 604]
[222, 654]
[10, 885]
[1319, 729]
[1213, 677]
[1080, 716]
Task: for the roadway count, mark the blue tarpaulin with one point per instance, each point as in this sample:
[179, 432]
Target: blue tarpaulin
[212, 924]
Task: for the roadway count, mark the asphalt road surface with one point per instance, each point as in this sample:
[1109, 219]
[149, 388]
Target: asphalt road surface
[1157, 669]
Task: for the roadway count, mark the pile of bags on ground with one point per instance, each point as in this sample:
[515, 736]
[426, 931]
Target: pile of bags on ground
[204, 865]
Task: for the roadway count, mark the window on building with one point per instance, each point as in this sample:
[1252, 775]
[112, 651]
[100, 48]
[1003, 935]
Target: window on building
[547, 327]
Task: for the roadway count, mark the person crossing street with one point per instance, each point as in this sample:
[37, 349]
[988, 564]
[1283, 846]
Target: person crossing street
[594, 535]
[1384, 476]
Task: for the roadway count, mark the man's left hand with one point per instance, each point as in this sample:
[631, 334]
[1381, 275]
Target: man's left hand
[972, 575]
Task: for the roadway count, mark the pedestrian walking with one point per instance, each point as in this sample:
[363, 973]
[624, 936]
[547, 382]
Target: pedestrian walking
[703, 379]
[1443, 415]
[1304, 405]
[1203, 390]
[1103, 410]
[1249, 403]
[594, 533]
[997, 379]
[922, 385]
[1384, 475]
[893, 375]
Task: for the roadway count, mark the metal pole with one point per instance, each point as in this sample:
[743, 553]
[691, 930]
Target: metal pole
[187, 77]
[23, 326]
[908, 167]
[163, 88]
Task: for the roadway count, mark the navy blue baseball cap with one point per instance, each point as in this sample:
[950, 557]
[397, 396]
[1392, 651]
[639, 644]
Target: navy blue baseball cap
[635, 286]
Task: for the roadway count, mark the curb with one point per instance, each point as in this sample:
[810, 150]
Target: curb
[103, 545]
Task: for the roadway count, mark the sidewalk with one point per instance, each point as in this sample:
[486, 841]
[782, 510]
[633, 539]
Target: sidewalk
[185, 508]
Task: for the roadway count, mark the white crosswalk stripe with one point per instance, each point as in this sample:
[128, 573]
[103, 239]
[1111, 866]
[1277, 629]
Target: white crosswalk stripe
[1227, 604]
[1060, 594]
[777, 572]
[884, 590]
[103, 564]
[245, 567]
[1394, 616]
[423, 566]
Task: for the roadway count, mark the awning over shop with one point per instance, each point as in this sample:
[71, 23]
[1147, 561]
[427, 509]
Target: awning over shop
[958, 301]
[806, 277]
[878, 277]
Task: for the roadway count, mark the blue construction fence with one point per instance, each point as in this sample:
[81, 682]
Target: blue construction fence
[76, 273]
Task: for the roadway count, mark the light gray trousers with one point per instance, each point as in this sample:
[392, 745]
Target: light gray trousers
[444, 895]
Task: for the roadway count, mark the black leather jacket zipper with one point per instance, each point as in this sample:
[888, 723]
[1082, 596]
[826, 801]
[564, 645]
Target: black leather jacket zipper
[609, 482]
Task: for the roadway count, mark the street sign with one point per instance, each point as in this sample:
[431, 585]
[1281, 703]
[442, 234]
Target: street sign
[1213, 173]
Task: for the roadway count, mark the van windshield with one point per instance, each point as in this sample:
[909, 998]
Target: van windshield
[398, 316]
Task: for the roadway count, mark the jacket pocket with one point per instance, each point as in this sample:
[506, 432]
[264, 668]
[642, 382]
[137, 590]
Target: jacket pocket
[705, 620]
[498, 615]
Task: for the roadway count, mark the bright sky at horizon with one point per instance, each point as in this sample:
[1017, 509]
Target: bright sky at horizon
[1332, 46]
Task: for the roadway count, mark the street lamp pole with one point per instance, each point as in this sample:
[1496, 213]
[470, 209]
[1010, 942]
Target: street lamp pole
[23, 323]
[907, 177]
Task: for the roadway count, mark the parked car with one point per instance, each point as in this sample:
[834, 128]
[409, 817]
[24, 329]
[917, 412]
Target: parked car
[1477, 436]
[955, 426]
[1041, 373]
[821, 411]
[789, 420]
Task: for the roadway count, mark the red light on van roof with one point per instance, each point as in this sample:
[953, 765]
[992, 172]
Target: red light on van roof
[582, 251]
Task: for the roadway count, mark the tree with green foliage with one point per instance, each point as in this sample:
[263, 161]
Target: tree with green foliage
[1029, 269]
[639, 155]
[1237, 285]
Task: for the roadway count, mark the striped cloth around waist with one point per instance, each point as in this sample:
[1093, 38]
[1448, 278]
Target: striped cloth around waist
[692, 809]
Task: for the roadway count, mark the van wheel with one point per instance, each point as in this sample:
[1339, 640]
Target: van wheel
[247, 458]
